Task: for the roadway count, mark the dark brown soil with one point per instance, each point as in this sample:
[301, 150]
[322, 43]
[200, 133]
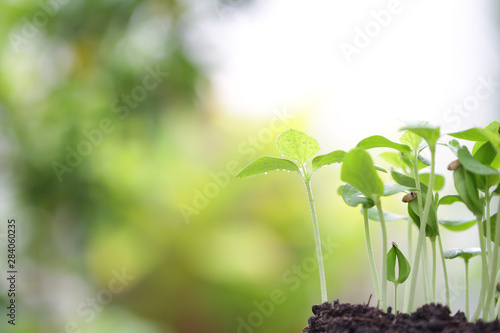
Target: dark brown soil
[357, 318]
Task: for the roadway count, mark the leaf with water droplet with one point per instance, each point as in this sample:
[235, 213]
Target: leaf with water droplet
[297, 145]
[264, 164]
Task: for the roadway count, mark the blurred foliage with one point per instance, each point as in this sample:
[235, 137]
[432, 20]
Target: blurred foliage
[101, 167]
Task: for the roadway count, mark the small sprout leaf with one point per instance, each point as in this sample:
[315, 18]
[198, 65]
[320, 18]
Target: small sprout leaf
[403, 265]
[395, 159]
[297, 145]
[431, 228]
[457, 224]
[485, 153]
[449, 199]
[378, 141]
[353, 197]
[379, 168]
[473, 165]
[493, 222]
[390, 189]
[336, 156]
[405, 180]
[467, 190]
[428, 132]
[424, 160]
[411, 139]
[264, 164]
[472, 134]
[438, 181]
[388, 216]
[466, 254]
[410, 196]
[358, 170]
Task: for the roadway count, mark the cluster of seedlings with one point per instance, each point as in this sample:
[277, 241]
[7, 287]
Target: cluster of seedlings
[476, 179]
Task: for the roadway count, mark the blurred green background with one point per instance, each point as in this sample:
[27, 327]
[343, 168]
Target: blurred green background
[118, 164]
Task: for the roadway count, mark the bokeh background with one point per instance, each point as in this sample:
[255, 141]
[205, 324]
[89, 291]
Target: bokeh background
[123, 124]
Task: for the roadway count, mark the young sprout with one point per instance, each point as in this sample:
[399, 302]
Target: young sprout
[465, 254]
[300, 149]
[404, 270]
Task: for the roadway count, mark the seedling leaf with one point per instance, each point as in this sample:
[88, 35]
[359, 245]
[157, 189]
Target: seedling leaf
[266, 164]
[428, 132]
[473, 165]
[388, 216]
[353, 197]
[493, 223]
[438, 181]
[403, 264]
[297, 145]
[457, 224]
[336, 156]
[431, 228]
[411, 139]
[390, 189]
[406, 181]
[378, 141]
[449, 199]
[466, 254]
[358, 170]
[472, 134]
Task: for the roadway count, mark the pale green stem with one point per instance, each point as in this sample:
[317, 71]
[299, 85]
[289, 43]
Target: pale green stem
[371, 258]
[426, 276]
[317, 240]
[423, 222]
[384, 253]
[395, 298]
[467, 288]
[494, 262]
[433, 241]
[484, 271]
[407, 286]
[445, 271]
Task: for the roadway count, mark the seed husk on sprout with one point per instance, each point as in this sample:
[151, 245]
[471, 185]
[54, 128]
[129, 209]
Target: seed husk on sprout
[454, 165]
[409, 196]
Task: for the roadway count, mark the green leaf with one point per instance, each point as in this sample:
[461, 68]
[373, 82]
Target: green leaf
[396, 160]
[265, 164]
[457, 224]
[473, 165]
[493, 223]
[472, 134]
[336, 156]
[464, 184]
[390, 189]
[484, 152]
[411, 139]
[438, 181]
[378, 141]
[406, 181]
[388, 216]
[353, 197]
[428, 132]
[450, 199]
[466, 254]
[358, 170]
[378, 168]
[494, 138]
[431, 228]
[403, 264]
[297, 145]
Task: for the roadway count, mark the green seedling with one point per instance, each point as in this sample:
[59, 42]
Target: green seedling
[478, 173]
[465, 254]
[403, 268]
[300, 149]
